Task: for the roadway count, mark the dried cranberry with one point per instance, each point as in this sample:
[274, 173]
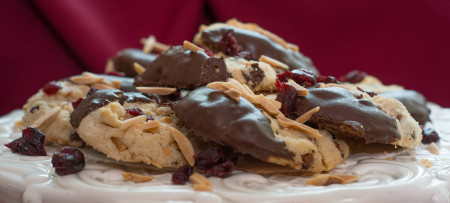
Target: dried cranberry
[370, 93]
[116, 73]
[287, 95]
[207, 50]
[327, 79]
[304, 77]
[31, 143]
[51, 88]
[134, 111]
[77, 102]
[353, 76]
[284, 77]
[214, 162]
[181, 176]
[429, 134]
[68, 160]
[91, 91]
[228, 44]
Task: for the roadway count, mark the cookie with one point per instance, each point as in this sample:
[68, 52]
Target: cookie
[250, 41]
[125, 59]
[259, 76]
[355, 114]
[50, 112]
[237, 123]
[132, 127]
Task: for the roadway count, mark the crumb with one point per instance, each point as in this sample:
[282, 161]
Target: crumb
[427, 163]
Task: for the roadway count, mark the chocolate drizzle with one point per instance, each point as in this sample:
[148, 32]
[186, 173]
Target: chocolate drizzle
[102, 98]
[257, 44]
[124, 61]
[343, 113]
[213, 116]
[415, 102]
[183, 69]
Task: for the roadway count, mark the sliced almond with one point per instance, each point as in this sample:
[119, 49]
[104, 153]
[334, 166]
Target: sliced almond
[46, 118]
[109, 66]
[149, 44]
[198, 187]
[101, 86]
[160, 47]
[157, 90]
[133, 121]
[276, 103]
[337, 85]
[86, 78]
[138, 68]
[306, 116]
[267, 105]
[184, 144]
[286, 122]
[301, 91]
[240, 86]
[117, 84]
[190, 46]
[119, 144]
[219, 86]
[328, 179]
[148, 125]
[273, 62]
[433, 148]
[293, 47]
[137, 178]
[166, 119]
[200, 182]
[233, 94]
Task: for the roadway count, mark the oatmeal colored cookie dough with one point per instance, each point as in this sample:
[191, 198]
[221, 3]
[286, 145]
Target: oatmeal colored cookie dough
[259, 76]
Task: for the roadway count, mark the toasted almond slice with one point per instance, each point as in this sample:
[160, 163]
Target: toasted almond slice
[148, 125]
[198, 187]
[306, 116]
[138, 68]
[273, 62]
[328, 179]
[273, 37]
[219, 86]
[117, 84]
[184, 144]
[233, 94]
[286, 122]
[433, 148]
[240, 86]
[133, 121]
[301, 91]
[337, 85]
[109, 66]
[85, 80]
[137, 178]
[166, 119]
[101, 86]
[276, 103]
[157, 90]
[197, 178]
[267, 105]
[149, 44]
[190, 46]
[119, 144]
[160, 47]
[293, 47]
[47, 117]
[248, 89]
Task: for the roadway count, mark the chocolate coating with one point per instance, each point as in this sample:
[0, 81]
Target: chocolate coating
[258, 44]
[415, 102]
[183, 69]
[215, 117]
[343, 113]
[102, 98]
[126, 82]
[124, 61]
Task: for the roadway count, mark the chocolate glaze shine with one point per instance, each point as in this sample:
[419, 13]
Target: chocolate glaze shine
[102, 98]
[183, 69]
[415, 102]
[258, 44]
[339, 106]
[215, 117]
[124, 61]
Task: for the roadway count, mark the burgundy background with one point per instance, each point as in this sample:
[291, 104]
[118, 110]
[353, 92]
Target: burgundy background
[404, 42]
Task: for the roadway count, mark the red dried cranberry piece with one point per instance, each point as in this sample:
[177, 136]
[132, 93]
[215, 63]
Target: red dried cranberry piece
[77, 102]
[116, 73]
[14, 145]
[134, 111]
[68, 160]
[91, 91]
[353, 76]
[181, 176]
[214, 162]
[429, 134]
[284, 77]
[31, 143]
[221, 170]
[51, 88]
[370, 93]
[287, 95]
[228, 44]
[327, 79]
[207, 50]
[304, 77]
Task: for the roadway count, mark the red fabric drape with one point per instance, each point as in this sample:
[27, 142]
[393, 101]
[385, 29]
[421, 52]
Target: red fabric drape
[403, 42]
